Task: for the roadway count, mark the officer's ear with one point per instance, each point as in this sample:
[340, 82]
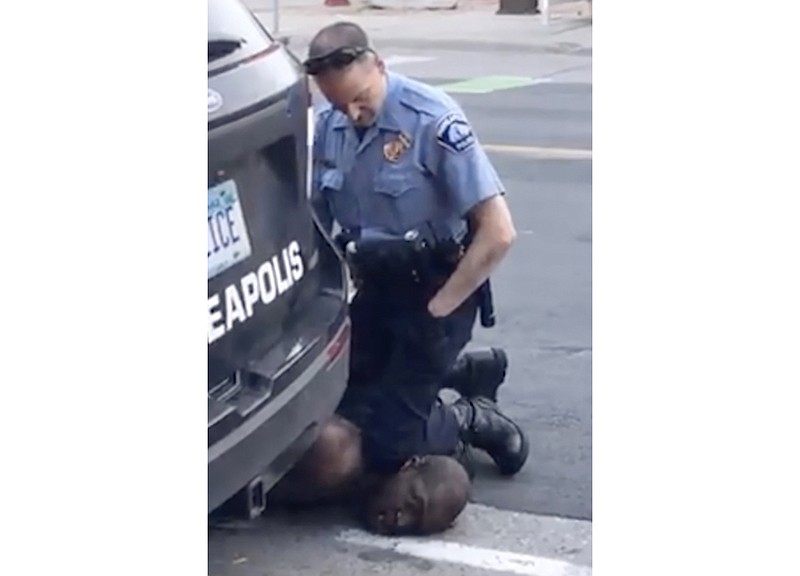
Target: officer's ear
[380, 64]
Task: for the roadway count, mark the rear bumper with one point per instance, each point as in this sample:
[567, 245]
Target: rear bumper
[269, 442]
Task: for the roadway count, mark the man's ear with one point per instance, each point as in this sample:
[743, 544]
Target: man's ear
[414, 462]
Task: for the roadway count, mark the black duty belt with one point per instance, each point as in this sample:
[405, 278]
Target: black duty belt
[410, 267]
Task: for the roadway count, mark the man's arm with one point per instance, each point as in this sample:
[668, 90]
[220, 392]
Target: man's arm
[493, 235]
[474, 189]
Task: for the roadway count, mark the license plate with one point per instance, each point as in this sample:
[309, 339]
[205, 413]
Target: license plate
[228, 241]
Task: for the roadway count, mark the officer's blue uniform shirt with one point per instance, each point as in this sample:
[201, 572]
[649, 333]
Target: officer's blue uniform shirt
[420, 162]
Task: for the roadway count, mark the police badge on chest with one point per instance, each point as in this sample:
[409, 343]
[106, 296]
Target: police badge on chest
[396, 147]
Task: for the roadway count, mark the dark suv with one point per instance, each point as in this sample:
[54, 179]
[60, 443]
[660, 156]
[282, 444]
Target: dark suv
[278, 331]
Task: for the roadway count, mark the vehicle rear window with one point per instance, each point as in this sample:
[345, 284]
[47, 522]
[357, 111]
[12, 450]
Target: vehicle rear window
[230, 20]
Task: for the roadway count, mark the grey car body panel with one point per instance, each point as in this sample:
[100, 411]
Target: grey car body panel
[275, 376]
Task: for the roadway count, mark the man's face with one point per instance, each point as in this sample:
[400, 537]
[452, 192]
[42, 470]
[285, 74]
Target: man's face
[398, 506]
[357, 90]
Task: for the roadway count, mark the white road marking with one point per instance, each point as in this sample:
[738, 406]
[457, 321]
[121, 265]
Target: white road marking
[541, 151]
[396, 60]
[454, 553]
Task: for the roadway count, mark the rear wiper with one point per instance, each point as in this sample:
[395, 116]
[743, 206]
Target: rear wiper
[222, 45]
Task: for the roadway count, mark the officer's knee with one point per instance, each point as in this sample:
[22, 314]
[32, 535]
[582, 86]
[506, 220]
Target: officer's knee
[336, 455]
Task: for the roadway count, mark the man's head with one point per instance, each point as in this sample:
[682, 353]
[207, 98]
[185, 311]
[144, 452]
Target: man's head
[348, 72]
[424, 497]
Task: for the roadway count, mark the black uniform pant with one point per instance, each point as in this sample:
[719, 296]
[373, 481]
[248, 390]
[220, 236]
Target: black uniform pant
[399, 357]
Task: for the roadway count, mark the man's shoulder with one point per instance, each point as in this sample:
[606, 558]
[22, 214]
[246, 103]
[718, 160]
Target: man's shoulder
[323, 113]
[327, 119]
[440, 115]
[429, 102]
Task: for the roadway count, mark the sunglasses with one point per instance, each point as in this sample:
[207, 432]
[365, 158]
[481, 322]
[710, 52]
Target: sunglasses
[336, 60]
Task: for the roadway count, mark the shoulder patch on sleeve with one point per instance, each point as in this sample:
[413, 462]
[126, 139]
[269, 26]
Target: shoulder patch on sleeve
[454, 133]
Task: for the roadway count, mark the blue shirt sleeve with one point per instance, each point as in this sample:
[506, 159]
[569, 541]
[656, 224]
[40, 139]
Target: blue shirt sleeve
[459, 163]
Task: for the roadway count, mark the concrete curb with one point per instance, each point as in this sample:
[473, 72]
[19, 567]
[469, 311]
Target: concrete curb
[471, 26]
[407, 5]
[580, 7]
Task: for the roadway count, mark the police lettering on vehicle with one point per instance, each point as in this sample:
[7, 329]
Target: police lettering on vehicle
[228, 240]
[222, 230]
[260, 287]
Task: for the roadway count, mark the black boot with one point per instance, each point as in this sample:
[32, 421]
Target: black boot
[478, 373]
[483, 426]
[466, 457]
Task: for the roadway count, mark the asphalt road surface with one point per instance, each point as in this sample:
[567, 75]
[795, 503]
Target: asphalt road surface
[540, 137]
[543, 294]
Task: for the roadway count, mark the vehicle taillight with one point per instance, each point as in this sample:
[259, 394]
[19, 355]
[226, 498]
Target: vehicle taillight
[339, 343]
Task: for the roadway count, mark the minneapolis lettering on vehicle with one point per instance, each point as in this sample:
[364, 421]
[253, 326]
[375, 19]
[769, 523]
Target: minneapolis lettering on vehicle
[237, 302]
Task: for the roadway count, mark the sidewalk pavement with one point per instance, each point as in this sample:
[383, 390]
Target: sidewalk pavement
[557, 6]
[471, 26]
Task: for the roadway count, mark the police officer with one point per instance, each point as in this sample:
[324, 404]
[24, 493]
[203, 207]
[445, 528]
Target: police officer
[393, 156]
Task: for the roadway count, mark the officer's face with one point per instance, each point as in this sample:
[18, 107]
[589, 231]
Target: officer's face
[358, 90]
